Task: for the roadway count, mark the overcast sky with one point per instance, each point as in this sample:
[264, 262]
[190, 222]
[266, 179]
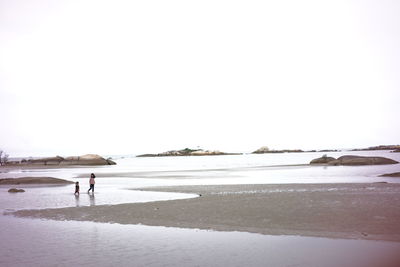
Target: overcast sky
[128, 77]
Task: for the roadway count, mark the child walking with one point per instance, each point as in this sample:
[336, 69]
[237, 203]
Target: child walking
[76, 188]
[91, 182]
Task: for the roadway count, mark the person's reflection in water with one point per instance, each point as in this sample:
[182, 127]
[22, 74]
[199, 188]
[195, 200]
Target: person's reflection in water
[91, 200]
[77, 200]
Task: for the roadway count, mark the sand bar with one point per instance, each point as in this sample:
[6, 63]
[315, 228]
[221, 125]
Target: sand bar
[354, 211]
[33, 180]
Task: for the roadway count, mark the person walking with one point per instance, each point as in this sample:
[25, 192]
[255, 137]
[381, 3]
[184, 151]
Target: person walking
[77, 188]
[91, 182]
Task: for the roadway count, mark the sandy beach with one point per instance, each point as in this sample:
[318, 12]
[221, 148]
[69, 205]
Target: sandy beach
[348, 211]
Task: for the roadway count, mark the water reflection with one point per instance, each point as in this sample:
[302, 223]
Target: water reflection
[92, 200]
[137, 245]
[77, 202]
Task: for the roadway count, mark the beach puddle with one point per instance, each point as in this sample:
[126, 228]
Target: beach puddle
[29, 242]
[62, 197]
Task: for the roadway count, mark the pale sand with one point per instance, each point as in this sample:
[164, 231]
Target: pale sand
[354, 211]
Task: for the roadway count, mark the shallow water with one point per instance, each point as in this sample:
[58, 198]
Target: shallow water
[54, 243]
[62, 196]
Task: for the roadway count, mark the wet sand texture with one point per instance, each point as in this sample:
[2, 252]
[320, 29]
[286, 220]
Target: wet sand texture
[354, 211]
[34, 180]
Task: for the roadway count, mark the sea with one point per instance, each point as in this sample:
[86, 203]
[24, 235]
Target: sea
[39, 242]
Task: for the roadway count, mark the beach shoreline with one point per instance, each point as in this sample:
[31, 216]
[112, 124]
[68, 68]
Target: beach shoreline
[346, 211]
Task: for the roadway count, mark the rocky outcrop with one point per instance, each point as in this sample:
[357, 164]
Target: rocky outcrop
[329, 150]
[16, 190]
[187, 152]
[359, 160]
[395, 174]
[322, 160]
[353, 160]
[88, 159]
[47, 161]
[264, 150]
[381, 147]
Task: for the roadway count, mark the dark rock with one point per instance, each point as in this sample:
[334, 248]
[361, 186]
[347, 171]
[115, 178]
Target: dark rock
[15, 190]
[111, 162]
[322, 160]
[359, 160]
[395, 174]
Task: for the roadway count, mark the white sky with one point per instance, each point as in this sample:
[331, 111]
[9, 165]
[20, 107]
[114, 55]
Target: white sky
[117, 77]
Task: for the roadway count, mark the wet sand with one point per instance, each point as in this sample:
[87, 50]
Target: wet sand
[350, 211]
[33, 180]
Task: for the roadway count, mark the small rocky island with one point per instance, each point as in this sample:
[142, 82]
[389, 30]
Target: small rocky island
[188, 152]
[350, 160]
[88, 159]
[265, 149]
[393, 148]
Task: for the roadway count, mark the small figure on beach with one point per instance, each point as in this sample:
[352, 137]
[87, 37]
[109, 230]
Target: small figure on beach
[76, 188]
[91, 182]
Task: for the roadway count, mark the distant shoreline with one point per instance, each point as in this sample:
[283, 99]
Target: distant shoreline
[262, 150]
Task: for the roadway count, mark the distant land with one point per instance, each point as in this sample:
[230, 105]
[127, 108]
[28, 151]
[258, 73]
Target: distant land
[94, 159]
[188, 152]
[395, 148]
[261, 150]
[265, 149]
[202, 152]
[88, 159]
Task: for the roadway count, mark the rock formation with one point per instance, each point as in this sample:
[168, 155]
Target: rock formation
[187, 152]
[381, 147]
[322, 160]
[88, 159]
[47, 161]
[354, 160]
[358, 160]
[395, 174]
[16, 190]
[264, 149]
